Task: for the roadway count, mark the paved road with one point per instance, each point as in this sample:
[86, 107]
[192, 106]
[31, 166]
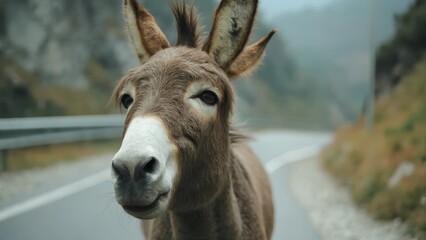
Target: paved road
[93, 214]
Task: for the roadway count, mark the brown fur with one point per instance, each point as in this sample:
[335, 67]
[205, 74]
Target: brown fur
[249, 58]
[187, 26]
[221, 190]
[232, 25]
[146, 36]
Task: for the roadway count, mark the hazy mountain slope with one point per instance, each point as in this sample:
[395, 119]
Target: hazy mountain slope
[65, 56]
[62, 51]
[331, 45]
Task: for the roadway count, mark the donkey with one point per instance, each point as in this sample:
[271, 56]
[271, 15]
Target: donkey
[182, 168]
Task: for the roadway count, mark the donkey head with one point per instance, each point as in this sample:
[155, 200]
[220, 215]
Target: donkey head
[174, 153]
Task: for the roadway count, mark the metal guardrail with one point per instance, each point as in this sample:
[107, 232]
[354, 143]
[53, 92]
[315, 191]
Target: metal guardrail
[58, 137]
[10, 124]
[37, 131]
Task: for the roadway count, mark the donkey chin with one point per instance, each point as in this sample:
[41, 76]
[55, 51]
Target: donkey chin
[143, 169]
[141, 200]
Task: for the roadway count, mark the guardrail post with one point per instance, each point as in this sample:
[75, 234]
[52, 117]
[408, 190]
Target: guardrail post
[3, 159]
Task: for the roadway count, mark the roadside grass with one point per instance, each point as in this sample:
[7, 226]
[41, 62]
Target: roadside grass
[36, 98]
[43, 156]
[365, 161]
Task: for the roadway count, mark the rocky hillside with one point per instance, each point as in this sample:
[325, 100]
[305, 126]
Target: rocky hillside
[63, 57]
[385, 168]
[55, 52]
[59, 40]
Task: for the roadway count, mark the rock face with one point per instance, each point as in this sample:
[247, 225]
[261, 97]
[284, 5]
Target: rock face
[404, 169]
[57, 39]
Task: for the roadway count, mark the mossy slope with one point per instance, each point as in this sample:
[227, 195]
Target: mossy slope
[365, 161]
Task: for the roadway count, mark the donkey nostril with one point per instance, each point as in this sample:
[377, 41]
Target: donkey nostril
[121, 172]
[151, 166]
[148, 168]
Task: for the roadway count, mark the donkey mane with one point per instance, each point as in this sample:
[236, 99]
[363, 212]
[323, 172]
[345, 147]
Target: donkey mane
[187, 26]
[236, 135]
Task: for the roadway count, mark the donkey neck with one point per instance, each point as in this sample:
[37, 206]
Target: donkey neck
[219, 219]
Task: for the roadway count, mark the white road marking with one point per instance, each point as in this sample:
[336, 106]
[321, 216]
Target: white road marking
[303, 153]
[54, 195]
[75, 187]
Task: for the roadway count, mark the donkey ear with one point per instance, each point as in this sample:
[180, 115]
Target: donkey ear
[146, 36]
[249, 58]
[231, 28]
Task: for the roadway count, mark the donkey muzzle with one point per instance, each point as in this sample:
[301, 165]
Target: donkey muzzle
[144, 168]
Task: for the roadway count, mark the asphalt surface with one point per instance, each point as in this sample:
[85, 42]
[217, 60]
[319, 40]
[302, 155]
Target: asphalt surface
[93, 214]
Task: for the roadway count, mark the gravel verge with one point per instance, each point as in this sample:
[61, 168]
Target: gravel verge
[331, 209]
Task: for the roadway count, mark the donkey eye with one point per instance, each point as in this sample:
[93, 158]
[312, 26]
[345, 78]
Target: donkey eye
[208, 97]
[126, 100]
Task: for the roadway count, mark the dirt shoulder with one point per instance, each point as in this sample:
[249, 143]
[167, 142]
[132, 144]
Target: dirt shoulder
[332, 210]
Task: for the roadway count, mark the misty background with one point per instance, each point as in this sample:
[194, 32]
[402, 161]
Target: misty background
[64, 57]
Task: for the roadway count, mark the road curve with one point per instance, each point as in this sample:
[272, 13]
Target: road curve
[91, 212]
